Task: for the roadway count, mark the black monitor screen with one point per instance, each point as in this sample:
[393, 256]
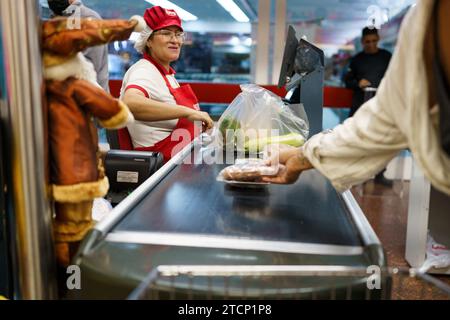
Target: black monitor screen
[290, 49]
[308, 57]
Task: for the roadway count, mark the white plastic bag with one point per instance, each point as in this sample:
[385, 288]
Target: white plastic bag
[256, 118]
[437, 256]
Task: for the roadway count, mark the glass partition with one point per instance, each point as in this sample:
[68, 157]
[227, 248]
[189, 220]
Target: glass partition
[205, 57]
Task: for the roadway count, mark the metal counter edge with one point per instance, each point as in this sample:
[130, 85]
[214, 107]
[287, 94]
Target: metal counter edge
[371, 242]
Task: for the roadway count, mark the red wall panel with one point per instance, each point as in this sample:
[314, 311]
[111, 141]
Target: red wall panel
[334, 97]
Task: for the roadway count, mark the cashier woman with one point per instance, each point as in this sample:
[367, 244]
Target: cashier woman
[164, 110]
[411, 110]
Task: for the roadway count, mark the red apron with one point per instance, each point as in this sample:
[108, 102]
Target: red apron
[184, 96]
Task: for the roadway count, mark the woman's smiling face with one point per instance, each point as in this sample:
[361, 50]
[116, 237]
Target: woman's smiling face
[165, 44]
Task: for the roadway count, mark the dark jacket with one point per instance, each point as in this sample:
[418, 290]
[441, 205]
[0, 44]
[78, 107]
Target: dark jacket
[366, 66]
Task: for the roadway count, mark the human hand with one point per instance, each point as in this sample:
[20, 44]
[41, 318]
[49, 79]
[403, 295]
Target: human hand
[278, 153]
[202, 116]
[292, 162]
[364, 83]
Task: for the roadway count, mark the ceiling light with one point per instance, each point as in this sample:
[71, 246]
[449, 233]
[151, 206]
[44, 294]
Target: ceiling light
[234, 10]
[184, 15]
[234, 41]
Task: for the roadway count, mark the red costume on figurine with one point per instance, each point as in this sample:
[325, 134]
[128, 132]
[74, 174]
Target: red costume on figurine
[73, 100]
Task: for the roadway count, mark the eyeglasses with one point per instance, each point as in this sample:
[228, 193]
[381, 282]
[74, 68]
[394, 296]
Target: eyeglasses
[180, 36]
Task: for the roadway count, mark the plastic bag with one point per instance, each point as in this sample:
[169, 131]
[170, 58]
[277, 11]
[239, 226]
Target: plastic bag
[248, 171]
[256, 118]
[437, 256]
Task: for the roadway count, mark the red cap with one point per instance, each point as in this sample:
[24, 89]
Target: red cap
[159, 18]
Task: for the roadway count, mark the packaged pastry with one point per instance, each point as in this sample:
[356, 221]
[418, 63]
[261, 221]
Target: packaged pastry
[247, 170]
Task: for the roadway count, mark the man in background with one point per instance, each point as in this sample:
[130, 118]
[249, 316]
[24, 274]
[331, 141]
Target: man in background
[366, 70]
[97, 55]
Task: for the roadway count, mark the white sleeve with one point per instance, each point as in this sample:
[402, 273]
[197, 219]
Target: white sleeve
[146, 80]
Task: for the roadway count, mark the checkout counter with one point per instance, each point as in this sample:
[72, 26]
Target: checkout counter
[182, 216]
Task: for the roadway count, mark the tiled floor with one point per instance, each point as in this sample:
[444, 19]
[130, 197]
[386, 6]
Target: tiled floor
[387, 210]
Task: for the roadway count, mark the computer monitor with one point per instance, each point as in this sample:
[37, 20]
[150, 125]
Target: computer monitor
[303, 63]
[308, 58]
[290, 50]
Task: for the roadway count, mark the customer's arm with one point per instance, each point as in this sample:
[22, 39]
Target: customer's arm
[359, 148]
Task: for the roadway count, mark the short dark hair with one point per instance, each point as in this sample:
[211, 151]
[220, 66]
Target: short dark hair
[58, 6]
[368, 31]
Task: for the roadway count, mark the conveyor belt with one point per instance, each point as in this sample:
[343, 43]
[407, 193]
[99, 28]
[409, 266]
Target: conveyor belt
[190, 201]
[183, 216]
